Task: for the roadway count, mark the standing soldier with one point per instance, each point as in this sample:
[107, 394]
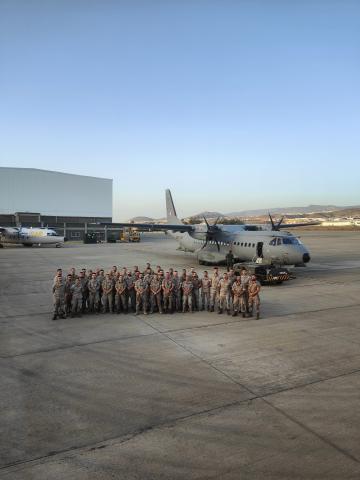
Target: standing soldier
[167, 288]
[196, 291]
[130, 291]
[155, 293]
[238, 294]
[205, 292]
[94, 295]
[224, 294]
[254, 298]
[106, 297]
[215, 279]
[148, 267]
[187, 288]
[120, 296]
[73, 273]
[68, 293]
[141, 289]
[77, 297]
[85, 291]
[245, 279]
[176, 292]
[229, 260]
[59, 297]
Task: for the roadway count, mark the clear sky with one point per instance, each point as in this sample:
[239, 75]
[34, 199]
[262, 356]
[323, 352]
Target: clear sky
[232, 104]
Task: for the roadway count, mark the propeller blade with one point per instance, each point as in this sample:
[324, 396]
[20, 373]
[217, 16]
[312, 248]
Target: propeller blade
[216, 221]
[206, 242]
[206, 222]
[272, 222]
[217, 244]
[279, 223]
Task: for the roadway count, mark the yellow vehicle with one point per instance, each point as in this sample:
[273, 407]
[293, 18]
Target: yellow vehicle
[130, 235]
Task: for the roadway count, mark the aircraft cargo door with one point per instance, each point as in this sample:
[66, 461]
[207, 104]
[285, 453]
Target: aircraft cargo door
[259, 249]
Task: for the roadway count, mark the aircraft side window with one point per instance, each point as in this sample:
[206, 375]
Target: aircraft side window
[253, 245]
[245, 244]
[242, 244]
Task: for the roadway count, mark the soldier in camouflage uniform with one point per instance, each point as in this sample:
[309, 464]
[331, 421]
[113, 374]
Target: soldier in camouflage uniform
[68, 293]
[176, 292]
[77, 296]
[130, 291]
[85, 291]
[59, 298]
[187, 288]
[167, 288]
[205, 292]
[141, 289]
[120, 296]
[94, 293]
[156, 294]
[215, 279]
[238, 291]
[254, 298]
[224, 294]
[245, 279]
[196, 291]
[106, 297]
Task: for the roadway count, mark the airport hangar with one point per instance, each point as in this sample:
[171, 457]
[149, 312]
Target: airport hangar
[71, 204]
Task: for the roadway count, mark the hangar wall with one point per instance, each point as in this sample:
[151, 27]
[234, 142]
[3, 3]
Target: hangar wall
[54, 193]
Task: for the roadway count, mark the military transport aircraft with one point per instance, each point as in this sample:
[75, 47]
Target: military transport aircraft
[265, 244]
[30, 236]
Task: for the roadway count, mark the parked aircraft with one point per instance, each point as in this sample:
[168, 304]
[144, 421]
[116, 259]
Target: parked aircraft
[30, 236]
[265, 244]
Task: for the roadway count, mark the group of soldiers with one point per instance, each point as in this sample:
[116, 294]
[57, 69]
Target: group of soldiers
[154, 290]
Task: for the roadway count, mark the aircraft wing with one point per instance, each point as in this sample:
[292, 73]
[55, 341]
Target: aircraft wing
[153, 226]
[293, 225]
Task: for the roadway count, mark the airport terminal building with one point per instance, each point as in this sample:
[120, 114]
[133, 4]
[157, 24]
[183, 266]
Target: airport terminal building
[69, 203]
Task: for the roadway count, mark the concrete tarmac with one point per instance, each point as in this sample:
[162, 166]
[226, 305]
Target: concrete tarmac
[183, 396]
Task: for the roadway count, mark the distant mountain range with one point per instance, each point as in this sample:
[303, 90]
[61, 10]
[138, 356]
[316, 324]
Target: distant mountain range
[310, 209]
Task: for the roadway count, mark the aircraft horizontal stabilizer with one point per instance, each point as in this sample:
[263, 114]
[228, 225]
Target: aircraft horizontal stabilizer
[293, 225]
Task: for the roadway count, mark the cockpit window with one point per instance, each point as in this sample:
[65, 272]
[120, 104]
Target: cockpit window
[290, 241]
[51, 233]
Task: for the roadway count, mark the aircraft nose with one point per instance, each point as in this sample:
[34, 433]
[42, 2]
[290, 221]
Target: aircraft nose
[306, 258]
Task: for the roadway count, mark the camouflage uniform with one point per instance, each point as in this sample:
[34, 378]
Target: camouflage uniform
[141, 288]
[224, 294]
[85, 292]
[120, 295]
[254, 298]
[187, 288]
[106, 298]
[68, 294]
[94, 294]
[239, 293]
[245, 279]
[77, 297]
[155, 294]
[130, 292]
[205, 293]
[214, 291]
[59, 298]
[176, 293]
[167, 288]
[196, 292]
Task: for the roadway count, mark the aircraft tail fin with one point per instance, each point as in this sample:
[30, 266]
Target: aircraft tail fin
[170, 209]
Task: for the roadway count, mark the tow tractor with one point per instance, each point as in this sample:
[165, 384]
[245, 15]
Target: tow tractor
[266, 274]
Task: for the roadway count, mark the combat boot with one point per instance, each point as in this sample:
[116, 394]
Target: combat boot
[234, 314]
[220, 311]
[228, 311]
[243, 314]
[54, 317]
[257, 316]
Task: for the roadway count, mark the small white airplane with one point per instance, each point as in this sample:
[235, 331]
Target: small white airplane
[30, 236]
[264, 244]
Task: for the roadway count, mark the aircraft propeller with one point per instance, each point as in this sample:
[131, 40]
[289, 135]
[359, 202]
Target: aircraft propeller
[275, 227]
[211, 232]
